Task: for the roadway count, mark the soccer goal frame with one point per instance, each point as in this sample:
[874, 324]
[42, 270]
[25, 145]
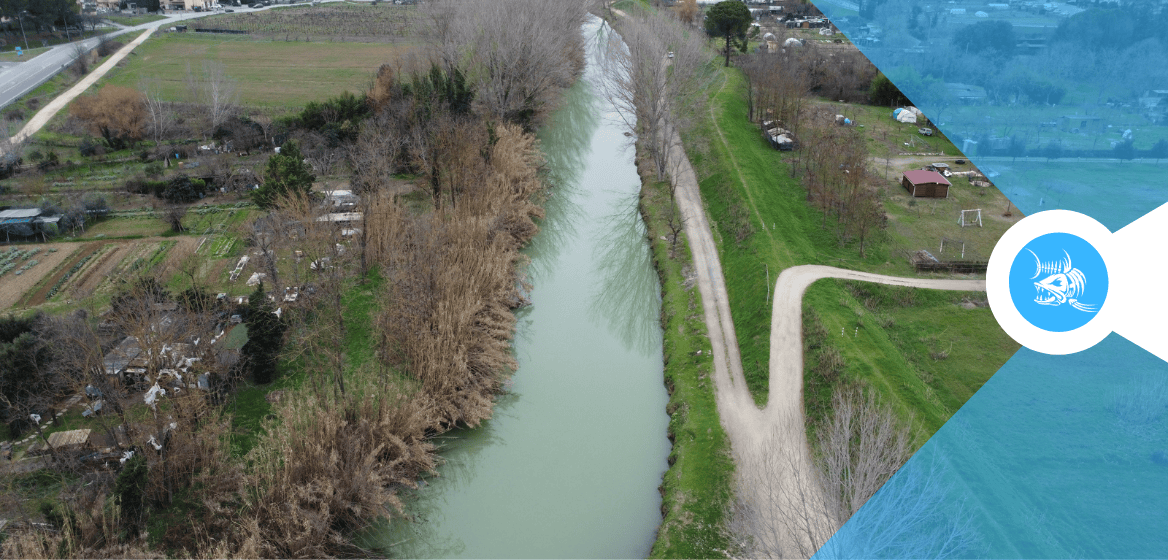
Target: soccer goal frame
[970, 218]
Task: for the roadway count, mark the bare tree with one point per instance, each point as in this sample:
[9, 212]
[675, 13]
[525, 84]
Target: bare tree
[215, 90]
[173, 216]
[376, 155]
[265, 234]
[656, 77]
[518, 53]
[687, 11]
[777, 84]
[791, 505]
[80, 58]
[160, 116]
[220, 93]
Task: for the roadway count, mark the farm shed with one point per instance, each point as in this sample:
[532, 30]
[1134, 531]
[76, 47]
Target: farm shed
[925, 184]
[27, 222]
[123, 356]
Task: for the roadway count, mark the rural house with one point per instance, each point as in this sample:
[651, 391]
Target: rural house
[925, 184]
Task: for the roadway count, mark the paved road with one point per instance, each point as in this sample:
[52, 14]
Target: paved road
[21, 78]
[18, 80]
[45, 115]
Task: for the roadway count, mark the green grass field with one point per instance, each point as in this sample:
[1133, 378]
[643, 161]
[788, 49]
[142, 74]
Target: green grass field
[916, 224]
[922, 348]
[787, 232]
[134, 226]
[270, 74]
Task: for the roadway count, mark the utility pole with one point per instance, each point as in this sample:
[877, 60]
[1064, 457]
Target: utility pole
[20, 17]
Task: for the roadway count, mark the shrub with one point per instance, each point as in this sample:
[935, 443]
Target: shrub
[89, 147]
[180, 189]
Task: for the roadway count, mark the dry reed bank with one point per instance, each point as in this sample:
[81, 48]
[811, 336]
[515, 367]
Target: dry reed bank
[353, 420]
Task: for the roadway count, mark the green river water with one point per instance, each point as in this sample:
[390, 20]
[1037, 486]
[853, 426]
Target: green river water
[570, 464]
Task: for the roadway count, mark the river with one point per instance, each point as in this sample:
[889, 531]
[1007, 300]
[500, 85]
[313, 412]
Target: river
[570, 464]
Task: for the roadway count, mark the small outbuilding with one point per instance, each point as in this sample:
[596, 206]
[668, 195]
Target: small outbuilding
[925, 184]
[71, 441]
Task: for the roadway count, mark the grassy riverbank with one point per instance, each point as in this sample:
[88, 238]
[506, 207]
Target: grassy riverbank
[696, 489]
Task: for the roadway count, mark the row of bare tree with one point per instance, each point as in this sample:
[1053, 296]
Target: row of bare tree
[833, 163]
[657, 70]
[779, 82]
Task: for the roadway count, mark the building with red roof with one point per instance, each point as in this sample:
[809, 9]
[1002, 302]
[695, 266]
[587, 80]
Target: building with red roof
[925, 184]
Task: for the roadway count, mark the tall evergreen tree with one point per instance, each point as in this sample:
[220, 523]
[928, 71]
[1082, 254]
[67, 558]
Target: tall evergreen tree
[286, 173]
[730, 19]
[265, 337]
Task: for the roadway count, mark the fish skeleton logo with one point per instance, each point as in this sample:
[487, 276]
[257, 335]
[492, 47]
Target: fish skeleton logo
[1062, 283]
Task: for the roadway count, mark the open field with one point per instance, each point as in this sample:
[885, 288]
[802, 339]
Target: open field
[886, 136]
[91, 265]
[929, 350]
[916, 224]
[362, 23]
[271, 74]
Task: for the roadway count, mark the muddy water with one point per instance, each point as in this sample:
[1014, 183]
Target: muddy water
[570, 463]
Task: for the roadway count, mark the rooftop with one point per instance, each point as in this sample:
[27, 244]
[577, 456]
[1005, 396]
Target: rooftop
[919, 176]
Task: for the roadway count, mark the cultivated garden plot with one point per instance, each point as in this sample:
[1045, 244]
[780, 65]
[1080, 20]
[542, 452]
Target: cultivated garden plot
[18, 257]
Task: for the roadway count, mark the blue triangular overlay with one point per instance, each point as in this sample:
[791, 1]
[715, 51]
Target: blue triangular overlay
[1062, 106]
[1055, 457]
[1044, 117]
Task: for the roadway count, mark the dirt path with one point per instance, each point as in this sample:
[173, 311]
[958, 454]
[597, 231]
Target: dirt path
[778, 429]
[45, 115]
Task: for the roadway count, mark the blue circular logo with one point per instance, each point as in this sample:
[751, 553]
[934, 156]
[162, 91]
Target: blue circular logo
[1058, 282]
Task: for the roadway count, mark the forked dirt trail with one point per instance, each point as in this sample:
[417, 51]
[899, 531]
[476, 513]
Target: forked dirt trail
[752, 431]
